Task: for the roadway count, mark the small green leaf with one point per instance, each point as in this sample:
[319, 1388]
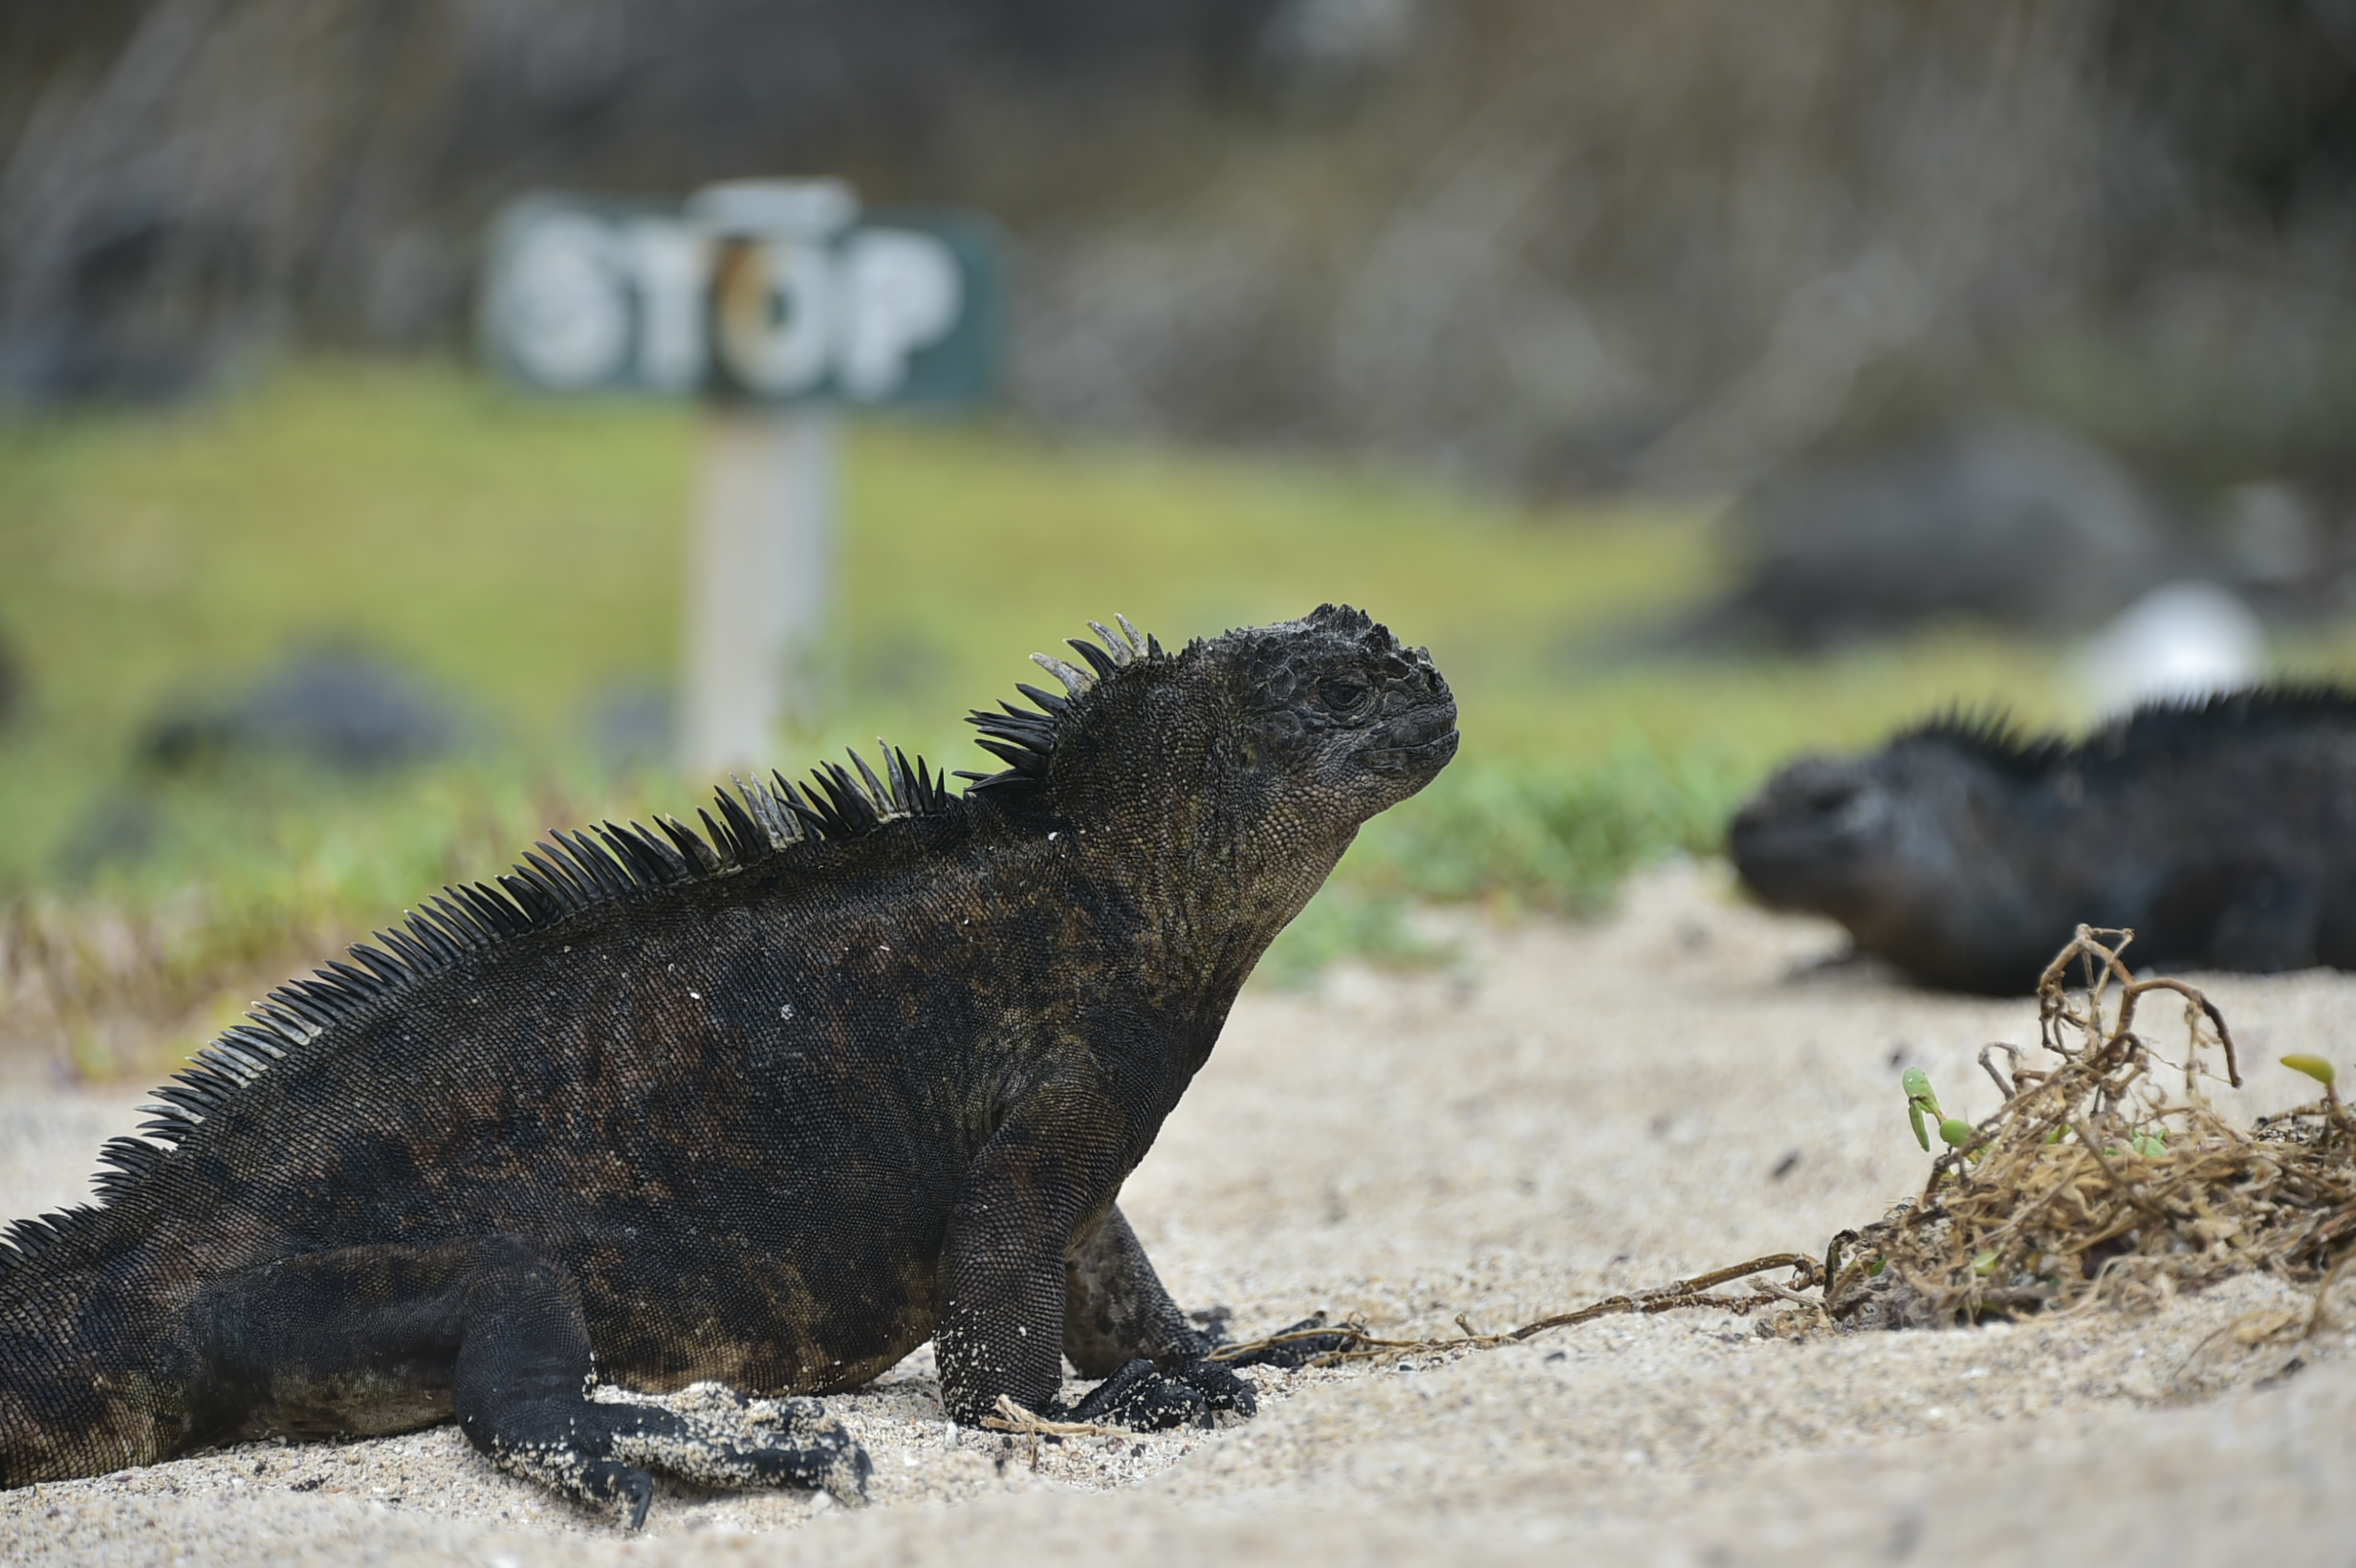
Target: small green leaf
[1983, 1264]
[2152, 1145]
[1874, 1269]
[2314, 1067]
[1956, 1131]
[1919, 1102]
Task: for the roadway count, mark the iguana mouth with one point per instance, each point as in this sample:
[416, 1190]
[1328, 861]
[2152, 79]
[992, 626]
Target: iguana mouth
[1432, 754]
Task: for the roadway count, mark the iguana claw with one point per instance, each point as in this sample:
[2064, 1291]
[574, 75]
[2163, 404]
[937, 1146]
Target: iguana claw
[1146, 1399]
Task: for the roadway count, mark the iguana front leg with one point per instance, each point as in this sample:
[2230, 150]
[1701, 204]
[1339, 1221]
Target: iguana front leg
[1033, 1216]
[1115, 1308]
[1120, 1324]
[1001, 1329]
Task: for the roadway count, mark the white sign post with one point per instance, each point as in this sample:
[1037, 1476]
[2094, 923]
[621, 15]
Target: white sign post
[772, 296]
[761, 562]
[760, 565]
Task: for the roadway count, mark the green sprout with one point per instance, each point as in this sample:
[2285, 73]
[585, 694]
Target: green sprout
[1983, 1263]
[2321, 1071]
[1919, 1102]
[2314, 1067]
[2152, 1145]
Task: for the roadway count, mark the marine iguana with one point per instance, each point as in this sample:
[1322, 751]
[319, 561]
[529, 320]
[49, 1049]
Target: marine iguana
[2222, 833]
[860, 1063]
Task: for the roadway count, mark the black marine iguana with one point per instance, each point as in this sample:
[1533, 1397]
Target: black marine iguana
[859, 1064]
[2222, 833]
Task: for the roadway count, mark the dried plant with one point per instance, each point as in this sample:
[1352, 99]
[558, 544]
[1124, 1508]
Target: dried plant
[2108, 1174]
[2107, 1177]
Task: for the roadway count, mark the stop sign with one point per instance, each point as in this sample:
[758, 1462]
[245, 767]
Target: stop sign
[768, 293]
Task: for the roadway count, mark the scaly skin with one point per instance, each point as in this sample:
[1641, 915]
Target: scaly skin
[769, 1108]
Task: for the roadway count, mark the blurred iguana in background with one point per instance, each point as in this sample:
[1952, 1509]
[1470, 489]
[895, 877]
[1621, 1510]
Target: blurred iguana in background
[2222, 833]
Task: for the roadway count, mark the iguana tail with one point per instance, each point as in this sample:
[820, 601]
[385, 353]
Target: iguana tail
[85, 1379]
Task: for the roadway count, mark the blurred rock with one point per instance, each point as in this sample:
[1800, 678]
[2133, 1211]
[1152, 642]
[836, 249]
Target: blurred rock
[2001, 519]
[143, 303]
[632, 724]
[2180, 643]
[337, 706]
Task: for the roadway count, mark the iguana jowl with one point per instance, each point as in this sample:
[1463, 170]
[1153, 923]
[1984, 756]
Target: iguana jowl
[768, 1104]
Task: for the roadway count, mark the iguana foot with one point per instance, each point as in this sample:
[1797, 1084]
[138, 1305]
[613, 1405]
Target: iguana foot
[827, 1457]
[599, 1453]
[802, 1448]
[522, 1391]
[1141, 1397]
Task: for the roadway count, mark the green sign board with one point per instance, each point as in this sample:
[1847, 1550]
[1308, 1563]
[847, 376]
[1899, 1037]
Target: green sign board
[776, 293]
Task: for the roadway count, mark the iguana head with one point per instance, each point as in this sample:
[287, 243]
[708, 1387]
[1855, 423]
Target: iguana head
[1818, 836]
[1910, 847]
[1338, 718]
[1255, 755]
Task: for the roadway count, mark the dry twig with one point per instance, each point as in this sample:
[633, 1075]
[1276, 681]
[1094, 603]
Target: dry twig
[1678, 1295]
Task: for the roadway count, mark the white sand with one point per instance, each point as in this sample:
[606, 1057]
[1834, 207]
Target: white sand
[1579, 1111]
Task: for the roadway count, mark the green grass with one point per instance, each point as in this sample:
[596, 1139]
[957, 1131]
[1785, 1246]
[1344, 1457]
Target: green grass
[527, 553]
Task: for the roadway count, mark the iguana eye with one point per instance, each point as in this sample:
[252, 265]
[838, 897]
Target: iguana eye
[1344, 694]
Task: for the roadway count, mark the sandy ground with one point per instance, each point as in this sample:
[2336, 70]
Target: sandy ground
[1573, 1111]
